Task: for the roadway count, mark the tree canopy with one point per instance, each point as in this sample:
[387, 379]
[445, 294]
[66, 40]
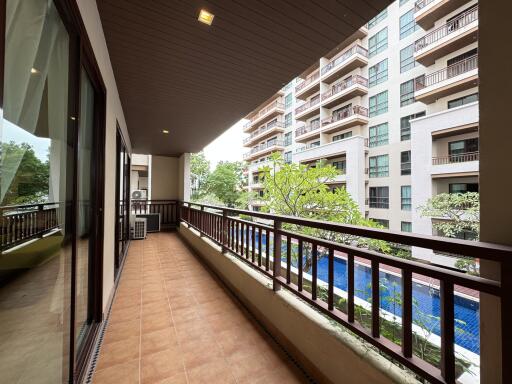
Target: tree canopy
[199, 172]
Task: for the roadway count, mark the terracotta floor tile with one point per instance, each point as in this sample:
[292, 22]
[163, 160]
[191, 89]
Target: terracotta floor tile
[119, 352]
[214, 372]
[200, 352]
[122, 331]
[155, 322]
[161, 365]
[158, 341]
[126, 373]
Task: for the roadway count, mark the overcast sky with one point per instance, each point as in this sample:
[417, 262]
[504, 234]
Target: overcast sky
[226, 147]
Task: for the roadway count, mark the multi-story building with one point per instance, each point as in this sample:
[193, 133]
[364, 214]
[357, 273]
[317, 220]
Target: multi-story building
[393, 108]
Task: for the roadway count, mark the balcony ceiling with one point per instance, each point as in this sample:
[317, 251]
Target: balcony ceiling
[196, 81]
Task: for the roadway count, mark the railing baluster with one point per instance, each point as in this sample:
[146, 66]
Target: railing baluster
[300, 248]
[288, 259]
[350, 287]
[237, 236]
[247, 241]
[375, 299]
[447, 332]
[314, 270]
[242, 238]
[267, 250]
[330, 280]
[277, 254]
[253, 243]
[407, 313]
[259, 245]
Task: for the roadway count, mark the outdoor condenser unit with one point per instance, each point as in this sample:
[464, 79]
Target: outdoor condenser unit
[139, 229]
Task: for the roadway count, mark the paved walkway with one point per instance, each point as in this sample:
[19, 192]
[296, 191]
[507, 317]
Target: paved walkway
[173, 322]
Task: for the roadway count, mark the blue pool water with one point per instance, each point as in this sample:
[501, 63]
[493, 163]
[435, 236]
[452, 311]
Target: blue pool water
[426, 310]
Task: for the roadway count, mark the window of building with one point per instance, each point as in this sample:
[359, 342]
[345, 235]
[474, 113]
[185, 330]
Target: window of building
[407, 93]
[377, 19]
[462, 187]
[407, 58]
[405, 163]
[378, 73]
[406, 226]
[340, 165]
[405, 194]
[315, 144]
[379, 104]
[379, 135]
[256, 209]
[288, 120]
[379, 197]
[342, 136]
[288, 139]
[288, 157]
[407, 24]
[402, 2]
[288, 100]
[457, 149]
[463, 100]
[383, 222]
[405, 125]
[261, 193]
[379, 166]
[378, 42]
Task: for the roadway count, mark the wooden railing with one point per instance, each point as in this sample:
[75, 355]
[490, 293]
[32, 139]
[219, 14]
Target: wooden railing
[458, 158]
[168, 210]
[307, 128]
[450, 27]
[341, 86]
[259, 131]
[345, 114]
[21, 223]
[259, 245]
[453, 70]
[344, 56]
[308, 104]
[310, 79]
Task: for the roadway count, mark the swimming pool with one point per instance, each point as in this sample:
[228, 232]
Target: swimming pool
[427, 299]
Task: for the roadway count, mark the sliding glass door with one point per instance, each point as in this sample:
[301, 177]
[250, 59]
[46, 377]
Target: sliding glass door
[51, 192]
[123, 165]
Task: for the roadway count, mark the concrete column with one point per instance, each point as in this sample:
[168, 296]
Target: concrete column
[184, 177]
[495, 176]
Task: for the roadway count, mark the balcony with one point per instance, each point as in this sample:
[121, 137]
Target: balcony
[309, 86]
[308, 109]
[427, 12]
[354, 57]
[454, 78]
[310, 153]
[464, 164]
[263, 149]
[356, 115]
[307, 132]
[274, 127]
[345, 90]
[270, 111]
[450, 37]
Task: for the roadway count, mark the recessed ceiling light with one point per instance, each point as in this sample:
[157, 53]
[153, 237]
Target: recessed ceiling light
[165, 131]
[34, 71]
[205, 17]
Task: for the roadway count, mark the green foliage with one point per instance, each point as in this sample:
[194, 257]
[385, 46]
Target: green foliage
[31, 180]
[199, 172]
[299, 190]
[226, 182]
[457, 213]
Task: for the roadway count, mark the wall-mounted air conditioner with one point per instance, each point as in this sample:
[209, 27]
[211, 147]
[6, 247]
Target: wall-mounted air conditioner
[139, 229]
[140, 194]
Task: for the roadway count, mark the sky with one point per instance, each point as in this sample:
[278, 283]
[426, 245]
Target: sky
[226, 147]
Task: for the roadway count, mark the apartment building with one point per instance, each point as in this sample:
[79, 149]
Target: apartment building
[415, 62]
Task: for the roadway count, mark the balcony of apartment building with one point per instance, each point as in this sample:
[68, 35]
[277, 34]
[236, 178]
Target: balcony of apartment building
[344, 118]
[264, 131]
[455, 155]
[308, 109]
[343, 63]
[455, 34]
[308, 132]
[454, 78]
[427, 12]
[309, 86]
[345, 90]
[273, 109]
[225, 295]
[263, 149]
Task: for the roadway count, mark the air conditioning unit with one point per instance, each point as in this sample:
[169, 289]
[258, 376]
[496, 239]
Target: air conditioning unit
[140, 229]
[140, 194]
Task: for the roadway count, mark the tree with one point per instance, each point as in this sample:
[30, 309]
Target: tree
[226, 182]
[199, 172]
[31, 180]
[457, 214]
[300, 190]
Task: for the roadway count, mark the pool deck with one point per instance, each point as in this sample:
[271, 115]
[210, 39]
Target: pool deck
[172, 322]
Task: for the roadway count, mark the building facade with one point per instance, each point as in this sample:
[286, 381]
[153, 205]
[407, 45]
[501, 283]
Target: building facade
[365, 108]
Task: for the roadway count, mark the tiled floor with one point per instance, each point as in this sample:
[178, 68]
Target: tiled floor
[173, 322]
